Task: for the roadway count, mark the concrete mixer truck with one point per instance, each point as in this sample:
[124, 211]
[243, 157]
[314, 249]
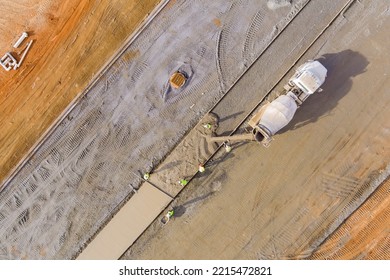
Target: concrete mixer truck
[273, 116]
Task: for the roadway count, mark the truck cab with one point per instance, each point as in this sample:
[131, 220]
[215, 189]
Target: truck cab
[307, 79]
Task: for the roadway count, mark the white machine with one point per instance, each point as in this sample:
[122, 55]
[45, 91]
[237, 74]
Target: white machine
[273, 116]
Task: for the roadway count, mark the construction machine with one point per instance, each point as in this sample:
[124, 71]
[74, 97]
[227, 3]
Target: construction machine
[273, 116]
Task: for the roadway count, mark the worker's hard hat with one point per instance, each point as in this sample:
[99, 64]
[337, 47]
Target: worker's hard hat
[228, 148]
[207, 125]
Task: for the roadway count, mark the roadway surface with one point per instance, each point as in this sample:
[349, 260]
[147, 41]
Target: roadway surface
[284, 201]
[127, 121]
[238, 101]
[280, 202]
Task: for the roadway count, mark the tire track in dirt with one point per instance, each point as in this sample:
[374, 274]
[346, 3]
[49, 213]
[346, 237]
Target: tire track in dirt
[59, 30]
[223, 43]
[364, 234]
[252, 35]
[108, 163]
[340, 174]
[78, 164]
[224, 54]
[338, 186]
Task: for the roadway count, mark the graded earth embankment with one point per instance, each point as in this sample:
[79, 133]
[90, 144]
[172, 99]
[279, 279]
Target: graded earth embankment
[365, 234]
[72, 41]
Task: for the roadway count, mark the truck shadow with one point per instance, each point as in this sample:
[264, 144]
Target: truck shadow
[342, 67]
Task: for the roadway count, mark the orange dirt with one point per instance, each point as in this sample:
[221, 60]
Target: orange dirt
[365, 234]
[72, 42]
[217, 22]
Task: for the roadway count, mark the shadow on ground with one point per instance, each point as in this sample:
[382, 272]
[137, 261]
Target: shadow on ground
[342, 67]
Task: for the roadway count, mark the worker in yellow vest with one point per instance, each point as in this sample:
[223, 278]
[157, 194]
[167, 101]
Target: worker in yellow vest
[170, 213]
[207, 125]
[183, 182]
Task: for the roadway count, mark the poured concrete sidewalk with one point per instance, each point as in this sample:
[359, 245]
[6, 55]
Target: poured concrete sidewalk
[129, 120]
[127, 224]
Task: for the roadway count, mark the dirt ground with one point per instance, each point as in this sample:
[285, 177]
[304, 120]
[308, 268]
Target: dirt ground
[164, 181]
[365, 234]
[73, 40]
[284, 201]
[130, 119]
[252, 203]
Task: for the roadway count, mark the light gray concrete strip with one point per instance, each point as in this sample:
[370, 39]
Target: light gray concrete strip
[281, 202]
[175, 166]
[128, 122]
[273, 64]
[127, 225]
